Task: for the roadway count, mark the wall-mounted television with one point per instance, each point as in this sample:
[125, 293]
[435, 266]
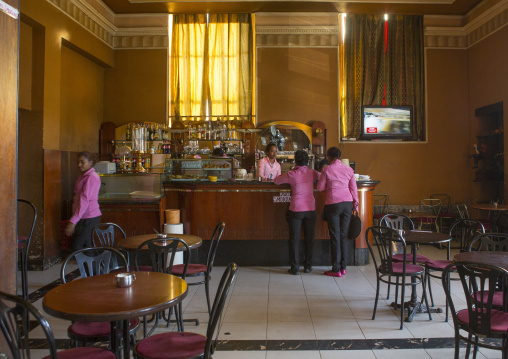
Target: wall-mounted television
[387, 122]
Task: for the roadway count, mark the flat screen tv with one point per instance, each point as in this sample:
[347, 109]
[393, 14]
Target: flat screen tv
[387, 122]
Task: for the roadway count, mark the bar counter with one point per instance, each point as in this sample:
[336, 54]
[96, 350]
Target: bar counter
[255, 214]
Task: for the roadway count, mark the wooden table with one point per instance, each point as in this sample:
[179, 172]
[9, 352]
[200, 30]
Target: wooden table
[98, 299]
[499, 259]
[490, 208]
[132, 243]
[415, 238]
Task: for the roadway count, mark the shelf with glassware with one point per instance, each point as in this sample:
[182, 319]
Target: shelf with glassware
[202, 169]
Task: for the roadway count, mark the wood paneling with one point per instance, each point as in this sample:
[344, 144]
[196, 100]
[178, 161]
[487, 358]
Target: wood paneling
[52, 205]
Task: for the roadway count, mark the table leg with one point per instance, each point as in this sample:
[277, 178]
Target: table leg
[126, 339]
[114, 339]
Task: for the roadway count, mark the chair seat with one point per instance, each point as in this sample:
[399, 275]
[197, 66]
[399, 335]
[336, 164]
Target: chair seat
[96, 329]
[22, 242]
[498, 321]
[174, 345]
[191, 269]
[409, 258]
[378, 216]
[427, 220]
[410, 268]
[446, 215]
[438, 264]
[497, 301]
[84, 353]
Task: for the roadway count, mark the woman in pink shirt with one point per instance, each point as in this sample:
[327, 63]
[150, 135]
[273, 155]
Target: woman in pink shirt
[302, 210]
[85, 204]
[341, 200]
[268, 167]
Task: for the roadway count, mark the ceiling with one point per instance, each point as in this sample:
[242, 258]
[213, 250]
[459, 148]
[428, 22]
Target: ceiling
[426, 7]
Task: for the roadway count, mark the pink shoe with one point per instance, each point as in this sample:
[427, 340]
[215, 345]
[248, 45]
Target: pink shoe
[333, 274]
[343, 272]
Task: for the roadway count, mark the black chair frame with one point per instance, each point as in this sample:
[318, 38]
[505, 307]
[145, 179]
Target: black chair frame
[103, 235]
[23, 251]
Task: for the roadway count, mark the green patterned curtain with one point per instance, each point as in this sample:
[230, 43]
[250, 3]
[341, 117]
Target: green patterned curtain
[368, 68]
[405, 68]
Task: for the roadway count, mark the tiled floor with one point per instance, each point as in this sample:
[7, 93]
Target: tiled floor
[271, 314]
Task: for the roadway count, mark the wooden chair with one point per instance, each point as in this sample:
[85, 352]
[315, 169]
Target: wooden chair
[95, 261]
[16, 313]
[479, 319]
[383, 238]
[446, 217]
[183, 345]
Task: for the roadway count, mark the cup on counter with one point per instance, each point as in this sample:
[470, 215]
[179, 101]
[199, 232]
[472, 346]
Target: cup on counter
[357, 176]
[124, 280]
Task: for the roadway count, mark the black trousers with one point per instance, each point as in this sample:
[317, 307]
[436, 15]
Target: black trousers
[295, 221]
[338, 215]
[82, 237]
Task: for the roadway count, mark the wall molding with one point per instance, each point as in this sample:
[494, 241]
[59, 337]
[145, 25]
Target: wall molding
[473, 32]
[487, 23]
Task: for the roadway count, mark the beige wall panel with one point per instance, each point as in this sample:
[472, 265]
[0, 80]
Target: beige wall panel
[298, 84]
[82, 83]
[488, 79]
[136, 88]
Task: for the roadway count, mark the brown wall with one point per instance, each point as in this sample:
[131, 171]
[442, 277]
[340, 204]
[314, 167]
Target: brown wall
[488, 79]
[136, 87]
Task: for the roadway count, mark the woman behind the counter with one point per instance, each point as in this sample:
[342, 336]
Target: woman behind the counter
[341, 200]
[268, 167]
[302, 210]
[85, 204]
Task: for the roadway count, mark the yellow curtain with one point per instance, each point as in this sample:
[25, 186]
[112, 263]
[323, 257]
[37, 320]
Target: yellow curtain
[188, 65]
[230, 64]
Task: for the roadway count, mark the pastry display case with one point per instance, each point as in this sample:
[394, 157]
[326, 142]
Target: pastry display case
[199, 169]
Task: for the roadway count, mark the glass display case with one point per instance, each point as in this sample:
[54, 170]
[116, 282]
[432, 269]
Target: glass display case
[199, 169]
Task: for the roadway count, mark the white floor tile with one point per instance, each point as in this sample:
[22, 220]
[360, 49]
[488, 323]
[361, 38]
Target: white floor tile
[290, 330]
[347, 354]
[293, 354]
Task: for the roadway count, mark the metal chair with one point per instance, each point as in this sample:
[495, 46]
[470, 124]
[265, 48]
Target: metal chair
[186, 344]
[464, 231]
[162, 257]
[429, 210]
[15, 314]
[103, 235]
[479, 319]
[379, 207]
[94, 261]
[25, 241]
[196, 270]
[384, 238]
[446, 217]
[490, 242]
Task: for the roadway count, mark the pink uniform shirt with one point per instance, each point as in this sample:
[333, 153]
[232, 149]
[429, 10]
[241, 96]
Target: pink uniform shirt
[339, 181]
[301, 179]
[268, 171]
[85, 203]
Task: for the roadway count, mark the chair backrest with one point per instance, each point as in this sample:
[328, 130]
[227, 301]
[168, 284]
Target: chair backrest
[380, 203]
[162, 254]
[15, 313]
[27, 208]
[215, 321]
[93, 261]
[444, 198]
[431, 206]
[463, 210]
[103, 235]
[497, 242]
[465, 230]
[397, 221]
[214, 244]
[479, 285]
[385, 240]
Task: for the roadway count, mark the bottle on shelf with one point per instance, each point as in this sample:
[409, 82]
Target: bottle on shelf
[128, 136]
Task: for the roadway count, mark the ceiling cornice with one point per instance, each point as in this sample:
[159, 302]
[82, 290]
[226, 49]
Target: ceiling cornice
[141, 35]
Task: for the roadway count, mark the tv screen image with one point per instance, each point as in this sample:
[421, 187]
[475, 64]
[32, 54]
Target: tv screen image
[386, 121]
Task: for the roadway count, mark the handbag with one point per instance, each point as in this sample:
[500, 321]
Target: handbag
[355, 227]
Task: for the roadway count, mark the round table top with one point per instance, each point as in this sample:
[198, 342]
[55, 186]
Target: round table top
[98, 298]
[132, 243]
[426, 237]
[499, 259]
[489, 207]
